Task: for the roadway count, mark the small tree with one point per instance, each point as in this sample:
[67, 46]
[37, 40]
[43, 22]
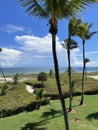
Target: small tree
[39, 96]
[42, 76]
[16, 79]
[51, 73]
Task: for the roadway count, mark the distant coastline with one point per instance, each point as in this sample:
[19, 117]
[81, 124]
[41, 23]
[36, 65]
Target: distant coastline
[12, 71]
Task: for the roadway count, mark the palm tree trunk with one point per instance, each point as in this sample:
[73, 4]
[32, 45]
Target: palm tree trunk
[69, 75]
[83, 73]
[58, 81]
[3, 75]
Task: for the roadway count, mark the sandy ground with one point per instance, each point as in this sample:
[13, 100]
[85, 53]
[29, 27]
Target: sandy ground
[94, 77]
[29, 89]
[9, 79]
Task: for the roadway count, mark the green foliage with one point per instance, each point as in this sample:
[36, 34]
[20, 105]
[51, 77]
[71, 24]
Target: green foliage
[51, 73]
[61, 8]
[0, 49]
[3, 89]
[50, 117]
[18, 99]
[42, 76]
[39, 96]
[15, 101]
[16, 79]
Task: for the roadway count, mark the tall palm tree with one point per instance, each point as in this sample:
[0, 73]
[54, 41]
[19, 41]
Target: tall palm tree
[84, 33]
[2, 70]
[53, 10]
[69, 44]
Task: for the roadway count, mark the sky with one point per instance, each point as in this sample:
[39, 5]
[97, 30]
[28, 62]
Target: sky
[26, 41]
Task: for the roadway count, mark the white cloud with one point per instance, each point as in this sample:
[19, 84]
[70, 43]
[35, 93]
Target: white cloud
[12, 28]
[36, 51]
[9, 57]
[37, 44]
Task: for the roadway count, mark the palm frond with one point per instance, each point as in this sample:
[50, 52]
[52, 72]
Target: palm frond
[72, 44]
[59, 8]
[73, 7]
[35, 7]
[0, 49]
[91, 34]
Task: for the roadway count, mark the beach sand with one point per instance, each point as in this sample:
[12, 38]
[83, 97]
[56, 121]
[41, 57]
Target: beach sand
[94, 77]
[9, 79]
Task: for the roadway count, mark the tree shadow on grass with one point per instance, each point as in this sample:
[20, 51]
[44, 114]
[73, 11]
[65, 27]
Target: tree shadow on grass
[47, 115]
[92, 116]
[33, 126]
[52, 113]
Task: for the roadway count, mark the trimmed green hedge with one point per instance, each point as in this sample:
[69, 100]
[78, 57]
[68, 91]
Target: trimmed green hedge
[29, 107]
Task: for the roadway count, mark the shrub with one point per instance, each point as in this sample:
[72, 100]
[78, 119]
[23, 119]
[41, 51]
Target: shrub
[3, 89]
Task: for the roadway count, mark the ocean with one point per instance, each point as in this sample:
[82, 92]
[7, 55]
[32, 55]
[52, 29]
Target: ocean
[12, 71]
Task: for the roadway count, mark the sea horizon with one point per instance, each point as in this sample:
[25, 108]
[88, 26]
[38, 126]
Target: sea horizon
[36, 70]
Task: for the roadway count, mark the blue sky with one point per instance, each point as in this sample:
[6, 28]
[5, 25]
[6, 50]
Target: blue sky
[26, 41]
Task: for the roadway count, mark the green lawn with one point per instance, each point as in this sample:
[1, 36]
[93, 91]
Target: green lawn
[50, 117]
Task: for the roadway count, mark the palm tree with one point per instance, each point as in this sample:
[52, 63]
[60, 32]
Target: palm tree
[69, 44]
[39, 96]
[2, 70]
[84, 33]
[86, 60]
[42, 76]
[55, 10]
[0, 49]
[51, 73]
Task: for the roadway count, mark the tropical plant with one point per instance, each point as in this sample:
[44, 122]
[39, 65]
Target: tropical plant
[42, 76]
[84, 33]
[0, 49]
[2, 70]
[55, 10]
[72, 70]
[86, 60]
[3, 89]
[16, 79]
[70, 44]
[51, 73]
[39, 96]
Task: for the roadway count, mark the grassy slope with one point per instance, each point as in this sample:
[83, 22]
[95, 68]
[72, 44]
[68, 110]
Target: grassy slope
[16, 97]
[50, 117]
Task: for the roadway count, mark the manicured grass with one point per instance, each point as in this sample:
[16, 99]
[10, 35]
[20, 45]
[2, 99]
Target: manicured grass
[50, 117]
